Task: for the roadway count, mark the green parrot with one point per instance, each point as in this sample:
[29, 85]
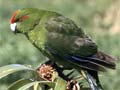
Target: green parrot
[61, 40]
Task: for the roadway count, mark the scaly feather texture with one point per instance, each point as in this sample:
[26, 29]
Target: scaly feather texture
[61, 40]
[56, 35]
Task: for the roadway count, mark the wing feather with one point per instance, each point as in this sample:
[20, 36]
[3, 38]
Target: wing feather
[65, 40]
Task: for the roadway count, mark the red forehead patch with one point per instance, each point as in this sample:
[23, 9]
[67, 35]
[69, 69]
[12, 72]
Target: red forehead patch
[12, 20]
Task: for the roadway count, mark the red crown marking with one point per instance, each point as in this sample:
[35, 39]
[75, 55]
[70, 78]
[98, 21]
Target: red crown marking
[12, 20]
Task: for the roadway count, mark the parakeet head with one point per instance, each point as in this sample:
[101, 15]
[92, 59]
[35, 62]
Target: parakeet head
[24, 20]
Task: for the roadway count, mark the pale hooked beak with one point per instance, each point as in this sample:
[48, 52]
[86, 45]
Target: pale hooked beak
[13, 26]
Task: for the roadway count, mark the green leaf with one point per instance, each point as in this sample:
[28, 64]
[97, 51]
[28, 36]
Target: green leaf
[18, 84]
[49, 83]
[28, 85]
[9, 69]
[60, 84]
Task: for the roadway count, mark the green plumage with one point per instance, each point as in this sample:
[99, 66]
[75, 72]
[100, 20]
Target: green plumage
[61, 40]
[61, 35]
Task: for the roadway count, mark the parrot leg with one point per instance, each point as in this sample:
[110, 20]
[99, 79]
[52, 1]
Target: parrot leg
[89, 75]
[49, 62]
[59, 69]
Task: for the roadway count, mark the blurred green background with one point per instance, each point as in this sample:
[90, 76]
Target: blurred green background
[99, 18]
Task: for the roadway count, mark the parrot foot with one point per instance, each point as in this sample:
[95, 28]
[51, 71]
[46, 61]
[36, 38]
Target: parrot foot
[46, 70]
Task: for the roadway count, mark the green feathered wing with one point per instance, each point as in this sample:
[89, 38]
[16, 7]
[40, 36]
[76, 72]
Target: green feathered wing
[63, 37]
[66, 38]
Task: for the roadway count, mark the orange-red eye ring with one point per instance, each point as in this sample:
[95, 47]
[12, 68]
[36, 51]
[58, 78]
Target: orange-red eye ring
[23, 18]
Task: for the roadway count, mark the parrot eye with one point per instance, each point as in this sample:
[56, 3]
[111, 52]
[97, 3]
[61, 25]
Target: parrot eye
[22, 18]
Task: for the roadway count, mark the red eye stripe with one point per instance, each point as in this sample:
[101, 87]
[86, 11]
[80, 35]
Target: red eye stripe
[23, 18]
[12, 20]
